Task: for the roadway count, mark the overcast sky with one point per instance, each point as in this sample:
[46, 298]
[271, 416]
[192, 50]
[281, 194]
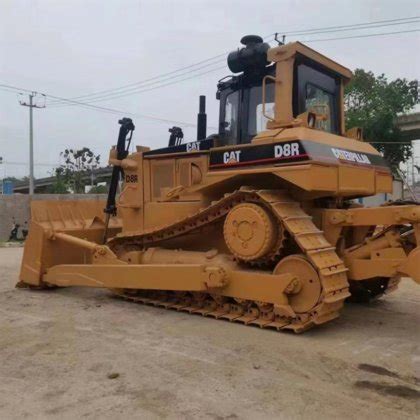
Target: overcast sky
[70, 48]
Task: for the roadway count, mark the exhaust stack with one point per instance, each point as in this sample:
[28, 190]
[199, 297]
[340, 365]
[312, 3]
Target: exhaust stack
[202, 119]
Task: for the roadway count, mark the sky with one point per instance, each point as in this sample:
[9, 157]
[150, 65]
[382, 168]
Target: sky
[70, 48]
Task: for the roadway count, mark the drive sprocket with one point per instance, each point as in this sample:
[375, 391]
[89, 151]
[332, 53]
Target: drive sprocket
[250, 232]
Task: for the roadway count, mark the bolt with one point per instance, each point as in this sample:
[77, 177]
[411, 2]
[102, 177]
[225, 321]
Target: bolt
[293, 287]
[211, 253]
[102, 251]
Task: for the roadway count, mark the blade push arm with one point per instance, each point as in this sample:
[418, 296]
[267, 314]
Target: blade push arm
[123, 144]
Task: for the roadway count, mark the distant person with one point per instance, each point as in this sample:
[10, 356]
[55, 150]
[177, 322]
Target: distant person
[25, 230]
[14, 232]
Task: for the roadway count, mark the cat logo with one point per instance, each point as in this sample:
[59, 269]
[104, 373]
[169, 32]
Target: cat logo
[232, 157]
[194, 146]
[351, 156]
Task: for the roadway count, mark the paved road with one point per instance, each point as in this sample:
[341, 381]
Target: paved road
[74, 353]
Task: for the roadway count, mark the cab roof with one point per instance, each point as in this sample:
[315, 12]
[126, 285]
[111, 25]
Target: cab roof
[294, 49]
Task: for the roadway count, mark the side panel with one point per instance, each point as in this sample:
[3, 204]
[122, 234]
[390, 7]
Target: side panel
[131, 199]
[170, 194]
[339, 171]
[384, 183]
[162, 177]
[355, 180]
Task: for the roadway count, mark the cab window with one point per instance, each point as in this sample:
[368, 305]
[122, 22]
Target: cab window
[256, 120]
[230, 123]
[320, 102]
[317, 90]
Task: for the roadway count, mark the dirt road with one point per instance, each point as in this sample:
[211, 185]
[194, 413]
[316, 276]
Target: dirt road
[73, 353]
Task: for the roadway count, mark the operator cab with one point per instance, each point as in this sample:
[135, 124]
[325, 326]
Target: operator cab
[247, 103]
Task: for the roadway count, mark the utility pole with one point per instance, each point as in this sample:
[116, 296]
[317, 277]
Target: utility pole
[4, 176]
[31, 106]
[413, 168]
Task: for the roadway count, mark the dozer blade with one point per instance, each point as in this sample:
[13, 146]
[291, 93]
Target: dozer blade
[80, 219]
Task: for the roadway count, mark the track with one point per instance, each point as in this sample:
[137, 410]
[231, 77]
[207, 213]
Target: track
[300, 227]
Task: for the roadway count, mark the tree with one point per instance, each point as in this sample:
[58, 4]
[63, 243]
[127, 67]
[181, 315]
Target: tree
[59, 186]
[373, 103]
[99, 189]
[77, 164]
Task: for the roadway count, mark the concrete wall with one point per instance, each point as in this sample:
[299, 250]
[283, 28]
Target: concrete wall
[379, 199]
[17, 207]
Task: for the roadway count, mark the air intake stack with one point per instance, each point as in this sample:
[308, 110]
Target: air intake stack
[251, 58]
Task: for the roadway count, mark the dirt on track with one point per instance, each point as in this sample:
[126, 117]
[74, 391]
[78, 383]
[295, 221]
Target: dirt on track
[72, 353]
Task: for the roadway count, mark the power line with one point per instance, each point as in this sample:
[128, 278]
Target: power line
[101, 108]
[159, 84]
[111, 95]
[117, 95]
[135, 84]
[15, 89]
[116, 111]
[142, 86]
[347, 29]
[146, 88]
[387, 22]
[157, 79]
[361, 36]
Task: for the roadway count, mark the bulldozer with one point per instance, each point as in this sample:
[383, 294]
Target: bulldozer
[259, 223]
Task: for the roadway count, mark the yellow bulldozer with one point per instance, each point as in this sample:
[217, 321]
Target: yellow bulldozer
[258, 224]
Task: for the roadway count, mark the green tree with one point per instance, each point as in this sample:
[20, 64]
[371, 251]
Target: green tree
[59, 186]
[373, 103]
[99, 189]
[77, 164]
